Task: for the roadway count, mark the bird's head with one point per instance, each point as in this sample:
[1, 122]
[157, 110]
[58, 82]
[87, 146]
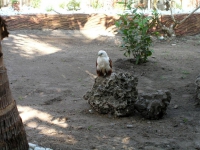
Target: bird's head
[102, 53]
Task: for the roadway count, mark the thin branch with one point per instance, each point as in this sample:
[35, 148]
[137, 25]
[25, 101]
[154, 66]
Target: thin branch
[189, 14]
[179, 22]
[170, 30]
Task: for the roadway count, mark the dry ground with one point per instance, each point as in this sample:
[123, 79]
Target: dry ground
[50, 71]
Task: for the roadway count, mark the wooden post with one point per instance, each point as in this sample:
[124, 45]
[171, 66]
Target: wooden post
[12, 133]
[149, 4]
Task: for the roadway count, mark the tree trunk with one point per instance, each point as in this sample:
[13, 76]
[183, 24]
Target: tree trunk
[12, 133]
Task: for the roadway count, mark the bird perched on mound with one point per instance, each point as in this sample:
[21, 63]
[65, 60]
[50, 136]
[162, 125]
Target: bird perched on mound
[103, 64]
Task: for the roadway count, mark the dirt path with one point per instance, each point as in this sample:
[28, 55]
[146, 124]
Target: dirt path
[50, 71]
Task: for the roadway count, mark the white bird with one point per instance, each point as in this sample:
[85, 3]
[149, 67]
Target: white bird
[103, 64]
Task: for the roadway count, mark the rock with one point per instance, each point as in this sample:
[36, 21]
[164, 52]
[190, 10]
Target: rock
[115, 94]
[112, 124]
[40, 148]
[175, 125]
[197, 82]
[129, 126]
[36, 147]
[91, 111]
[175, 106]
[153, 106]
[161, 38]
[31, 145]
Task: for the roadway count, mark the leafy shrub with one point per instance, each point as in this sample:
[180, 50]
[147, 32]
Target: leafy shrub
[63, 5]
[35, 3]
[73, 5]
[96, 4]
[134, 28]
[49, 8]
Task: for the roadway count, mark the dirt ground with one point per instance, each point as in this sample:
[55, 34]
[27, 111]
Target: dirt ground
[50, 71]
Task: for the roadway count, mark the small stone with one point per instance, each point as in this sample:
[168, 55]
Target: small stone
[176, 106]
[112, 124]
[198, 81]
[91, 111]
[149, 122]
[198, 96]
[31, 145]
[134, 121]
[170, 69]
[39, 148]
[80, 127]
[176, 125]
[161, 37]
[129, 126]
[60, 132]
[173, 44]
[36, 143]
[92, 147]
[168, 145]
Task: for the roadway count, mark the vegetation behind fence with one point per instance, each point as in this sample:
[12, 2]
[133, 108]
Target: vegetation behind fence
[103, 3]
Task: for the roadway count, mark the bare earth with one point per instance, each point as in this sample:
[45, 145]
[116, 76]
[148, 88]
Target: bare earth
[50, 71]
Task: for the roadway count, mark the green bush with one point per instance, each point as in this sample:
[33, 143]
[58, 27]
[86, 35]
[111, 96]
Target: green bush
[35, 3]
[63, 5]
[73, 5]
[49, 8]
[134, 28]
[96, 4]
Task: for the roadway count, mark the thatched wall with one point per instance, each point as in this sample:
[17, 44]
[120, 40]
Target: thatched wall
[93, 21]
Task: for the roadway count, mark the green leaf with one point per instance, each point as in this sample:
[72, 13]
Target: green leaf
[117, 24]
[148, 53]
[120, 2]
[134, 11]
[137, 59]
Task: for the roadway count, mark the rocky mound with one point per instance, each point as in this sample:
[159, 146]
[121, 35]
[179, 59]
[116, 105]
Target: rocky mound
[115, 94]
[118, 95]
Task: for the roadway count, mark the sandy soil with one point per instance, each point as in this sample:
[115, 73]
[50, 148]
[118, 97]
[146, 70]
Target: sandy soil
[50, 71]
